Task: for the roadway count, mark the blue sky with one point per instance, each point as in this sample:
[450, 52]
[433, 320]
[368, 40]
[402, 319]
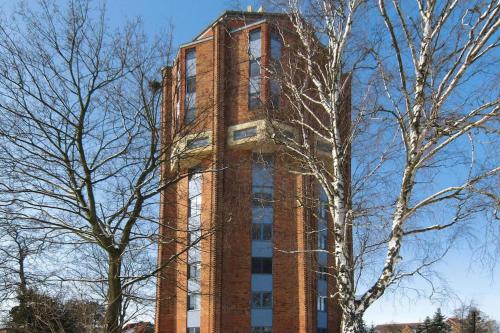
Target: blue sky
[468, 280]
[188, 17]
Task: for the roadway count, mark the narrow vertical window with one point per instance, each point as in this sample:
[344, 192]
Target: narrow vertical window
[193, 301]
[322, 308]
[276, 46]
[262, 182]
[190, 93]
[322, 303]
[178, 94]
[262, 300]
[262, 233]
[254, 51]
[274, 84]
[322, 239]
[195, 185]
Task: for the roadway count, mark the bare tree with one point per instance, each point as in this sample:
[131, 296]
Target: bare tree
[80, 143]
[30, 300]
[420, 141]
[19, 252]
[469, 318]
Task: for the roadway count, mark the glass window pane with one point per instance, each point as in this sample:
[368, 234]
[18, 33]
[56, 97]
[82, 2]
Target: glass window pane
[193, 301]
[275, 87]
[275, 46]
[323, 273]
[322, 237]
[195, 183]
[195, 205]
[190, 115]
[262, 176]
[255, 44]
[263, 160]
[261, 199]
[254, 87]
[262, 214]
[267, 231]
[245, 133]
[190, 107]
[177, 110]
[322, 301]
[190, 62]
[322, 195]
[194, 254]
[254, 101]
[254, 68]
[194, 237]
[194, 271]
[256, 231]
[256, 300]
[323, 210]
[267, 300]
[197, 143]
[190, 84]
[190, 100]
[256, 266]
[267, 266]
[194, 222]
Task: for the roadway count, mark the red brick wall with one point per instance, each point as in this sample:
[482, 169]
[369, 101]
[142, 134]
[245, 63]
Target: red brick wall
[288, 298]
[236, 276]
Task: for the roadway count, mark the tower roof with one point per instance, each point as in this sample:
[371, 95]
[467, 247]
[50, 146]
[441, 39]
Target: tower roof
[240, 15]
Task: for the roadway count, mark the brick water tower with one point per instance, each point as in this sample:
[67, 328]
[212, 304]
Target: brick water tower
[253, 272]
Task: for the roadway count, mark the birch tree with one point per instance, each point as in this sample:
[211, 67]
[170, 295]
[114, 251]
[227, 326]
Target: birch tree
[422, 138]
[80, 148]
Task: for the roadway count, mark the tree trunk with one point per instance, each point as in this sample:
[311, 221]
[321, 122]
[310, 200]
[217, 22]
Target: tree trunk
[114, 295]
[23, 284]
[351, 321]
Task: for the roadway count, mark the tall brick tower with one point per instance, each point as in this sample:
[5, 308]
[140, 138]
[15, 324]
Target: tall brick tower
[253, 272]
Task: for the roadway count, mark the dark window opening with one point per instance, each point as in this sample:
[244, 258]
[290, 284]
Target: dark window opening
[194, 271]
[262, 231]
[322, 303]
[262, 265]
[262, 300]
[254, 52]
[262, 199]
[198, 143]
[262, 329]
[245, 133]
[322, 273]
[190, 95]
[194, 301]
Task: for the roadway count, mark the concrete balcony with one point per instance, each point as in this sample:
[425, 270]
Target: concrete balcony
[191, 150]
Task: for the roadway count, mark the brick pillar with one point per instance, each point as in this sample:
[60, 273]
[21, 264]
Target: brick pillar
[306, 277]
[287, 267]
[166, 278]
[219, 139]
